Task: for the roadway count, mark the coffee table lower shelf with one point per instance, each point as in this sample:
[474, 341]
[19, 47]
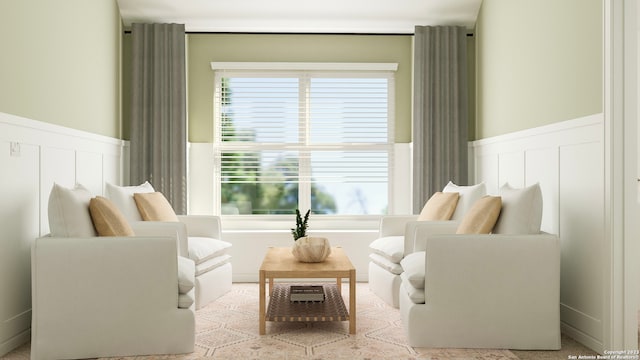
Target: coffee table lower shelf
[331, 309]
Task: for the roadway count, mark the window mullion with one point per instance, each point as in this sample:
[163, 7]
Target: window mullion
[304, 187]
[217, 141]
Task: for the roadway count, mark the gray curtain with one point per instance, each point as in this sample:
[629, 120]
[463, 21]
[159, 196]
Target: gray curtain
[158, 110]
[440, 110]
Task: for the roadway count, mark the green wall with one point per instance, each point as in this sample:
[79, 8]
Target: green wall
[537, 62]
[60, 62]
[205, 48]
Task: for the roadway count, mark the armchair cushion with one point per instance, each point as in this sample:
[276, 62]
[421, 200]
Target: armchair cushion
[413, 266]
[416, 295]
[386, 264]
[391, 247]
[69, 212]
[468, 196]
[121, 289]
[122, 197]
[521, 210]
[482, 216]
[202, 249]
[212, 263]
[154, 207]
[439, 207]
[185, 300]
[186, 275]
[107, 219]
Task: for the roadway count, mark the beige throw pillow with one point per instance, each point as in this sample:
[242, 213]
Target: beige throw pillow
[107, 219]
[154, 207]
[482, 216]
[439, 207]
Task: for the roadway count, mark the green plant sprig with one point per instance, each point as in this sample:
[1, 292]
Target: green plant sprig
[301, 225]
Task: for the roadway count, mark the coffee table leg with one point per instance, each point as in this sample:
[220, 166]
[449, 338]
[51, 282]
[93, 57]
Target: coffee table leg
[352, 302]
[261, 317]
[339, 285]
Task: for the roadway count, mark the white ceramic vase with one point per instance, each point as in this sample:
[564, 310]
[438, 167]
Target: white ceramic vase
[311, 249]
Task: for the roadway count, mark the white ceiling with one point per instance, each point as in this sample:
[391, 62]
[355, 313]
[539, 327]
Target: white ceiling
[302, 16]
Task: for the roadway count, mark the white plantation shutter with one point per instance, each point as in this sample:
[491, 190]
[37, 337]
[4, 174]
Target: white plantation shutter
[326, 132]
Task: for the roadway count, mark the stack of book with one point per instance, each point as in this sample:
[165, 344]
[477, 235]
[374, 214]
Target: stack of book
[306, 293]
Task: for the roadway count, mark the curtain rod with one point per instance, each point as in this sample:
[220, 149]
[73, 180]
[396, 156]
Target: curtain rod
[294, 33]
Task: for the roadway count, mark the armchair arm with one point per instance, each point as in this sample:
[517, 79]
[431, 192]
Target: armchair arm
[494, 275]
[202, 225]
[417, 232]
[391, 225]
[175, 230]
[128, 286]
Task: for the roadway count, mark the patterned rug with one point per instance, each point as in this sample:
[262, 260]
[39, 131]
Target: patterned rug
[228, 329]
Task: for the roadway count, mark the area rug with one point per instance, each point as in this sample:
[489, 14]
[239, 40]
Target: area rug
[228, 329]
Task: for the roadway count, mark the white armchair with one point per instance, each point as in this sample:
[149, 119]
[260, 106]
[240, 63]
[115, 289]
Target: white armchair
[484, 291]
[199, 239]
[107, 296]
[398, 233]
[117, 294]
[499, 290]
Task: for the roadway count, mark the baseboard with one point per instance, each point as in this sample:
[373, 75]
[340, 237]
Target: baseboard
[15, 342]
[582, 338]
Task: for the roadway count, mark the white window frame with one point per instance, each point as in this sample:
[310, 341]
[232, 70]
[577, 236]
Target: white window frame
[327, 70]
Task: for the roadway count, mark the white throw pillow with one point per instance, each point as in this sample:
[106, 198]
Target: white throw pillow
[521, 210]
[122, 197]
[69, 214]
[413, 266]
[468, 196]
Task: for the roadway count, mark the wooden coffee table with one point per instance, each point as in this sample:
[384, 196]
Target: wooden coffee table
[280, 263]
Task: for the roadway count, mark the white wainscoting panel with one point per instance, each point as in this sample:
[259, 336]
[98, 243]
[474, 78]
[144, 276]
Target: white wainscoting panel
[200, 177]
[89, 167]
[541, 165]
[34, 155]
[567, 159]
[19, 221]
[511, 169]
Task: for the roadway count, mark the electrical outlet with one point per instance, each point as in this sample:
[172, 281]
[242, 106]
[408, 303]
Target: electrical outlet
[14, 149]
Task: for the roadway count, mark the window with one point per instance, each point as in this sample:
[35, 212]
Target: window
[287, 139]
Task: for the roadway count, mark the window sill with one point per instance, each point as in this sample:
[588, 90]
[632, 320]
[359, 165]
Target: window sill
[284, 223]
